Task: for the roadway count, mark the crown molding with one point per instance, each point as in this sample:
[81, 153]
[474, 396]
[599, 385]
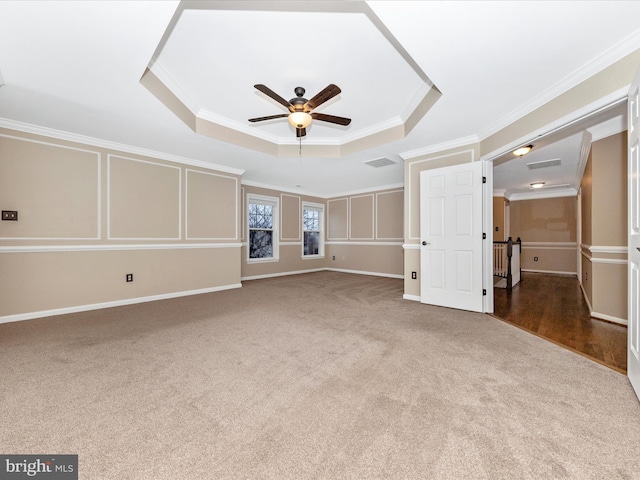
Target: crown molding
[591, 68]
[277, 188]
[551, 193]
[320, 195]
[610, 127]
[596, 107]
[120, 147]
[367, 190]
[441, 147]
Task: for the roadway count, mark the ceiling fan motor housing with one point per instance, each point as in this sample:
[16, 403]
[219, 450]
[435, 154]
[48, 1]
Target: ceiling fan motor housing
[299, 101]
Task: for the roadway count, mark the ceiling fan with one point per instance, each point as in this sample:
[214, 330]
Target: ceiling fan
[300, 109]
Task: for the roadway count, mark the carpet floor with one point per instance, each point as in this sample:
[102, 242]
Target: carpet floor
[318, 376]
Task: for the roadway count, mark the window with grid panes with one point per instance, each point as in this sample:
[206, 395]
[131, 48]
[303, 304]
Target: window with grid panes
[312, 230]
[262, 215]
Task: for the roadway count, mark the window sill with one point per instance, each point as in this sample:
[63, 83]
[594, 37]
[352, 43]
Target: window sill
[263, 260]
[311, 257]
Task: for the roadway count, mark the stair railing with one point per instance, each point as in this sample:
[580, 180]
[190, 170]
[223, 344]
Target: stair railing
[506, 261]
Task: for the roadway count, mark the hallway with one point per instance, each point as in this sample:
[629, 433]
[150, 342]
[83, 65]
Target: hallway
[553, 307]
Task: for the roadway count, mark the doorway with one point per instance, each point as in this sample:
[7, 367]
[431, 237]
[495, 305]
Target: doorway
[555, 299]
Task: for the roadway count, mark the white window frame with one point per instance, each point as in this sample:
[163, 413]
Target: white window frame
[318, 207]
[274, 203]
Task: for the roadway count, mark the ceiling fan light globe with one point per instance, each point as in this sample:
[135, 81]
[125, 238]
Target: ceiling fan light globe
[299, 119]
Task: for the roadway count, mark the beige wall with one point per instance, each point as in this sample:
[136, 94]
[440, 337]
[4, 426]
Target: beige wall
[587, 278]
[87, 216]
[609, 190]
[363, 234]
[499, 233]
[548, 230]
[289, 234]
[544, 220]
[586, 199]
[604, 228]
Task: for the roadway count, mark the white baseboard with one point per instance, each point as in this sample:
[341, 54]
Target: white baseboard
[116, 303]
[553, 272]
[282, 274]
[415, 298]
[586, 298]
[362, 272]
[609, 318]
[130, 301]
[601, 316]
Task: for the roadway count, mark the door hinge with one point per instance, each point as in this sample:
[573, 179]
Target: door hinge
[484, 179]
[484, 236]
[484, 292]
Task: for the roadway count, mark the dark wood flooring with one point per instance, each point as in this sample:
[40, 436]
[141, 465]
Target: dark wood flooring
[553, 307]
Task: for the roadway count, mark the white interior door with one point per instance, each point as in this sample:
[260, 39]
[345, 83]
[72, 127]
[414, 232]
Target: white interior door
[633, 332]
[451, 236]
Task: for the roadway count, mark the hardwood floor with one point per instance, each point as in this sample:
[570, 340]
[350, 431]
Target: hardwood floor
[553, 307]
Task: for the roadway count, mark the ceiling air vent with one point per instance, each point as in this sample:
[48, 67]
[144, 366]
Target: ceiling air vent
[380, 162]
[554, 162]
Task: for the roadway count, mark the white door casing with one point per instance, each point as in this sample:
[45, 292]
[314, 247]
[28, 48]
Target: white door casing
[451, 250]
[633, 159]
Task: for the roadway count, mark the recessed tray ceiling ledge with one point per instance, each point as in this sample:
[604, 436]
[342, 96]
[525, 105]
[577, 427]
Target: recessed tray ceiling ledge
[158, 79]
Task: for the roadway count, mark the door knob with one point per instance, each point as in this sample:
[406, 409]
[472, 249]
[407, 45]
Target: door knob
[425, 243]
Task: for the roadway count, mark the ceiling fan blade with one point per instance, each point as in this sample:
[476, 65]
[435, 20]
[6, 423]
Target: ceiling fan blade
[270, 93]
[328, 93]
[270, 117]
[323, 117]
[301, 132]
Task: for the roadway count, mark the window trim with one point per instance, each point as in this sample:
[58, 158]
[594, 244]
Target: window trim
[275, 204]
[318, 207]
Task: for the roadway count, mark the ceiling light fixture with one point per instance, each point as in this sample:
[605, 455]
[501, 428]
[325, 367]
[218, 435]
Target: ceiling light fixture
[522, 151]
[537, 185]
[299, 119]
[301, 110]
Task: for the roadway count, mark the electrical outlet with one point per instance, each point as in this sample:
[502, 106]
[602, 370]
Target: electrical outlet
[535, 259]
[10, 215]
[414, 275]
[333, 258]
[129, 277]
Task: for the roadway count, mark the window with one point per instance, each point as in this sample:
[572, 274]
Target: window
[262, 217]
[312, 230]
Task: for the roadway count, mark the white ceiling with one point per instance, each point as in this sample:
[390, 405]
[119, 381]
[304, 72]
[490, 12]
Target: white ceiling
[76, 67]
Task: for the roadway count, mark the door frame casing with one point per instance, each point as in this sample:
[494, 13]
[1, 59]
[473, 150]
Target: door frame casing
[633, 234]
[487, 228]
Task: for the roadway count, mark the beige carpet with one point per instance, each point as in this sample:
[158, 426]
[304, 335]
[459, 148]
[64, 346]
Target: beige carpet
[318, 376]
